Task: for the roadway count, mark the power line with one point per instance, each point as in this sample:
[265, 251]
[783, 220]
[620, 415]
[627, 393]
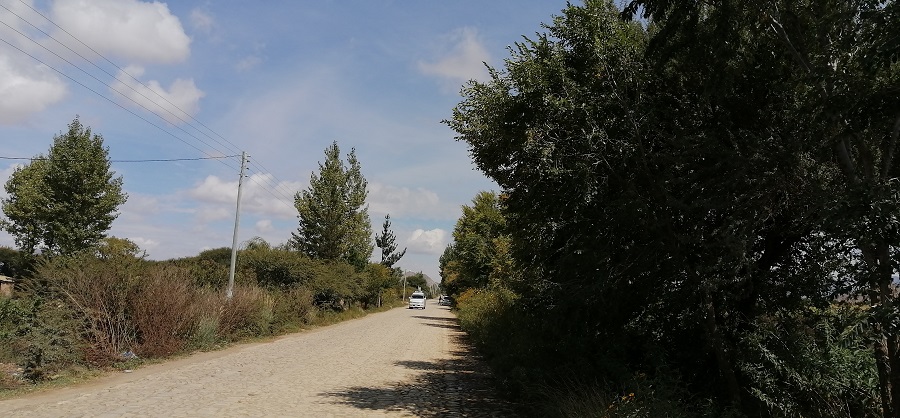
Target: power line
[102, 82]
[104, 97]
[122, 70]
[132, 161]
[277, 185]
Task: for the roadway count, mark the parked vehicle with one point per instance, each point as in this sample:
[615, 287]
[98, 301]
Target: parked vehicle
[417, 300]
[444, 300]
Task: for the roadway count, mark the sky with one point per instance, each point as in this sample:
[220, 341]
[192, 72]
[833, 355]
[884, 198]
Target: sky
[193, 81]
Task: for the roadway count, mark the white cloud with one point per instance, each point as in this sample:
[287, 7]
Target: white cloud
[261, 195]
[179, 102]
[427, 242]
[26, 87]
[146, 244]
[463, 61]
[264, 226]
[402, 201]
[138, 31]
[202, 21]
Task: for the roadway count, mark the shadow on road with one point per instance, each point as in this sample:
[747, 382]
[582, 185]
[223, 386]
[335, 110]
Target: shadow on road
[460, 386]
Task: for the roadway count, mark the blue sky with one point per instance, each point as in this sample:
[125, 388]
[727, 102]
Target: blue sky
[280, 80]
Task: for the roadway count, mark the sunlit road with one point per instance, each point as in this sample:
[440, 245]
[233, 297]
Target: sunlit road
[399, 363]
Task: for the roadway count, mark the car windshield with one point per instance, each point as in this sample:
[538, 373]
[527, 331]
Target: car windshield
[414, 296]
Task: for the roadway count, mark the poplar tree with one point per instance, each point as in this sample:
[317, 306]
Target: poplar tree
[332, 212]
[65, 201]
[388, 245]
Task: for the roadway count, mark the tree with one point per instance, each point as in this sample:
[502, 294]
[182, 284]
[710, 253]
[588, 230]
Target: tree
[63, 202]
[333, 215]
[474, 241]
[387, 242]
[678, 187]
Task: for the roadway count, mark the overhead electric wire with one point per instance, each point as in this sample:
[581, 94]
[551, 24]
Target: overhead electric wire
[233, 146]
[277, 184]
[107, 98]
[101, 82]
[131, 161]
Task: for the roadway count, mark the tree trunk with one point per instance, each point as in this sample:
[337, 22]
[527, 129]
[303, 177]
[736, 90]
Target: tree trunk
[887, 357]
[717, 345]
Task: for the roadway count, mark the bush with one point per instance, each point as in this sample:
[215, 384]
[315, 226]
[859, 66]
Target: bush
[163, 312]
[247, 314]
[812, 362]
[99, 291]
[294, 308]
[50, 341]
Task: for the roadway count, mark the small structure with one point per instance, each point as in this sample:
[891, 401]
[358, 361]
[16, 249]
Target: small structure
[6, 285]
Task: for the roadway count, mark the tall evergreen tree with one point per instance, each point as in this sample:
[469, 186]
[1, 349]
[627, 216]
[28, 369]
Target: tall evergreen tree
[388, 245]
[65, 201]
[334, 218]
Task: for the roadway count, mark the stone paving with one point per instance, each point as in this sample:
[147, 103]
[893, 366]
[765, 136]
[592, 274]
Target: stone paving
[399, 363]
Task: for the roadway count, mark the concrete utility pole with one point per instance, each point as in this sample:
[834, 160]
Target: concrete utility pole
[237, 219]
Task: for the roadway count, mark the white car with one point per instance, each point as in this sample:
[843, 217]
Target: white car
[417, 300]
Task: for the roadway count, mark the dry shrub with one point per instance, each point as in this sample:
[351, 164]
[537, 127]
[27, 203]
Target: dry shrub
[294, 308]
[163, 312]
[98, 291]
[207, 307]
[248, 313]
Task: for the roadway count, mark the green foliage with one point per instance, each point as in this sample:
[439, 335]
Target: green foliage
[474, 257]
[41, 336]
[667, 187]
[294, 308]
[379, 279]
[814, 362]
[334, 218]
[279, 267]
[63, 202]
[388, 245]
[99, 292]
[14, 263]
[337, 286]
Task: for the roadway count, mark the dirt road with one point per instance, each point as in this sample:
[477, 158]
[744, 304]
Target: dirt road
[399, 363]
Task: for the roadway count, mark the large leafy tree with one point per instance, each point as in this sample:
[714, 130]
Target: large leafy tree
[472, 259]
[825, 74]
[675, 186]
[333, 215]
[65, 201]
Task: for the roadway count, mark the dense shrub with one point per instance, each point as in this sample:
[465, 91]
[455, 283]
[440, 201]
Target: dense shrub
[294, 308]
[248, 313]
[100, 292]
[39, 336]
[93, 308]
[813, 362]
[337, 285]
[163, 312]
[278, 267]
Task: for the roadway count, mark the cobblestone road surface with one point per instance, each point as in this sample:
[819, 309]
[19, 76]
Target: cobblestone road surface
[399, 363]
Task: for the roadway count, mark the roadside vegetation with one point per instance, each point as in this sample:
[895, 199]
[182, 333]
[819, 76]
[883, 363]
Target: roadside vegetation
[85, 302]
[697, 211]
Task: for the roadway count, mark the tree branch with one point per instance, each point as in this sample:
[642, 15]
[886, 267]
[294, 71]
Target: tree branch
[889, 158]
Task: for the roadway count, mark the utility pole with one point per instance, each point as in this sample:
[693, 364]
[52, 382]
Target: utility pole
[237, 218]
